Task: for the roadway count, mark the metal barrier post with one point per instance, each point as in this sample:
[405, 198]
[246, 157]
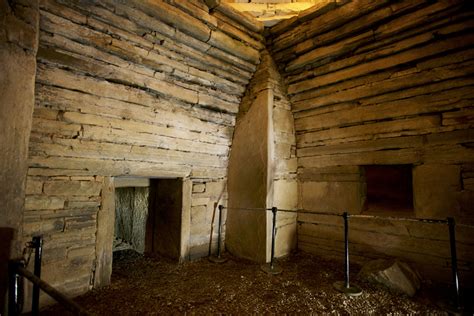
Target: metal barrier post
[17, 271]
[454, 262]
[218, 259]
[344, 286]
[12, 288]
[37, 243]
[272, 268]
[13, 308]
[272, 258]
[219, 232]
[346, 250]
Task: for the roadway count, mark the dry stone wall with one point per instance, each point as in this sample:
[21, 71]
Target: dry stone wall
[207, 194]
[142, 88]
[380, 83]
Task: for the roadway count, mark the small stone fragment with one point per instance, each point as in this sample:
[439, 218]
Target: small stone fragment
[396, 275]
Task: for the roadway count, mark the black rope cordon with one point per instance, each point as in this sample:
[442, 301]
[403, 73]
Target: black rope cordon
[388, 218]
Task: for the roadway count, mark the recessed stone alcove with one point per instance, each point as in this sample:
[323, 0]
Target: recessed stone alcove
[131, 213]
[148, 216]
[388, 190]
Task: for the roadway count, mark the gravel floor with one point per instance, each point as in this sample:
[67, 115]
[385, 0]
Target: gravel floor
[158, 286]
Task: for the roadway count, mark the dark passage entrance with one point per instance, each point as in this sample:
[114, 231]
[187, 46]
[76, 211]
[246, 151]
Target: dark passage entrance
[163, 227]
[389, 188]
[148, 216]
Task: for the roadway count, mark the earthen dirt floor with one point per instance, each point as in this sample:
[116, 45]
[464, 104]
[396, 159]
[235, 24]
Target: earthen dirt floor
[158, 286]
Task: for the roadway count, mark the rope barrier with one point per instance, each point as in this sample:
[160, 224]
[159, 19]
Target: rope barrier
[303, 211]
[465, 225]
[406, 219]
[344, 286]
[247, 208]
[388, 218]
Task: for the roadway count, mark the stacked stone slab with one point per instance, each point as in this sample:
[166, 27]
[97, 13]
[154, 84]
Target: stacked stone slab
[377, 82]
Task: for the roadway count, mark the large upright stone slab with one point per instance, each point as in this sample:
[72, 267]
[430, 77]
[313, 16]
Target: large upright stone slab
[248, 179]
[263, 167]
[105, 234]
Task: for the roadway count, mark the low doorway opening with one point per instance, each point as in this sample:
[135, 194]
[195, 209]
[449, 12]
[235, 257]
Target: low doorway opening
[148, 216]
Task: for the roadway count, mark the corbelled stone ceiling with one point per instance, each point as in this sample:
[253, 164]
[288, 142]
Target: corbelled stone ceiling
[271, 12]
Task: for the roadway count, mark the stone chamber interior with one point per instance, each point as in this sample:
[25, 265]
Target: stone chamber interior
[126, 124]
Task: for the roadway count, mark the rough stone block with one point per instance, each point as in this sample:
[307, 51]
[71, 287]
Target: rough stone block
[44, 226]
[83, 178]
[81, 204]
[286, 238]
[436, 190]
[199, 187]
[285, 194]
[198, 251]
[282, 151]
[283, 120]
[67, 270]
[34, 187]
[199, 201]
[198, 214]
[200, 232]
[284, 169]
[215, 189]
[54, 254]
[396, 275]
[465, 200]
[124, 182]
[468, 184]
[331, 196]
[72, 188]
[81, 252]
[21, 33]
[36, 202]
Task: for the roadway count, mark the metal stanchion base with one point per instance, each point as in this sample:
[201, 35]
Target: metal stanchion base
[217, 259]
[349, 291]
[267, 268]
